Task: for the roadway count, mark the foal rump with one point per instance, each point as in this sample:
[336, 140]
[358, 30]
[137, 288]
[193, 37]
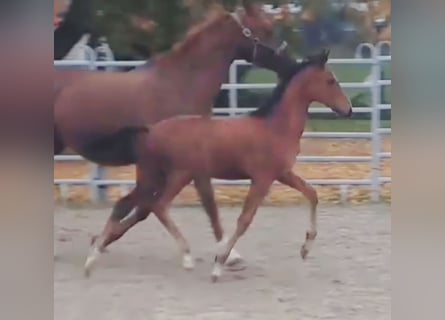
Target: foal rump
[116, 149]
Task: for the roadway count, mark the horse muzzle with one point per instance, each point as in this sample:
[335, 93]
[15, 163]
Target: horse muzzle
[342, 113]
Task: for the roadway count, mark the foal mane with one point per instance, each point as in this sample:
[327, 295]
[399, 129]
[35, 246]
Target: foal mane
[267, 108]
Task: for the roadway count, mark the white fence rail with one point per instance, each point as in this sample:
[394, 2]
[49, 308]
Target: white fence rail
[97, 182]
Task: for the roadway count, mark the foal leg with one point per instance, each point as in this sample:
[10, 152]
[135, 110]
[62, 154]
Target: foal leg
[119, 222]
[175, 182]
[294, 181]
[112, 229]
[257, 192]
[110, 235]
[206, 194]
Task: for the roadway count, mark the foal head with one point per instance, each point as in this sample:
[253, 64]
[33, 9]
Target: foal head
[321, 85]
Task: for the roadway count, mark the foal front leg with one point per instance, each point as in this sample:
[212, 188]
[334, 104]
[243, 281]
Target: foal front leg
[175, 182]
[258, 190]
[292, 180]
[206, 193]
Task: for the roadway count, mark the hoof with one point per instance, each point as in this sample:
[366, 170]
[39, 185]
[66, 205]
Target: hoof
[187, 262]
[216, 272]
[88, 268]
[93, 240]
[86, 273]
[91, 261]
[233, 259]
[304, 252]
[214, 278]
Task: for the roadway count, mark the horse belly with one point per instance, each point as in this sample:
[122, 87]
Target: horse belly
[224, 166]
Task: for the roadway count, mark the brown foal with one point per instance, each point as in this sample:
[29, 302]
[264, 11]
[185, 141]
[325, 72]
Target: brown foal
[261, 147]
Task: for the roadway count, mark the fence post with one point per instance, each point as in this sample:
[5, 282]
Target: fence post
[375, 126]
[233, 92]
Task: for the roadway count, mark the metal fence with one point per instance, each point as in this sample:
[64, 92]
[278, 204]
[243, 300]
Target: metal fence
[98, 183]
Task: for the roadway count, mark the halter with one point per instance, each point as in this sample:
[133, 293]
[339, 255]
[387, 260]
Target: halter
[256, 41]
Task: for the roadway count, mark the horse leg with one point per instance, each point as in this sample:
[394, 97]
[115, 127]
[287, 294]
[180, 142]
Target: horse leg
[112, 229]
[119, 222]
[206, 194]
[175, 182]
[294, 181]
[115, 228]
[258, 190]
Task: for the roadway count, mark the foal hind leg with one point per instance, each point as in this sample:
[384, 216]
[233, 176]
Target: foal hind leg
[294, 181]
[175, 182]
[119, 222]
[99, 245]
[206, 193]
[113, 230]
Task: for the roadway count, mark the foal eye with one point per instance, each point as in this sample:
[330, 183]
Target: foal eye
[331, 82]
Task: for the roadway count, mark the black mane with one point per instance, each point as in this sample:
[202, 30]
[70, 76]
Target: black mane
[267, 108]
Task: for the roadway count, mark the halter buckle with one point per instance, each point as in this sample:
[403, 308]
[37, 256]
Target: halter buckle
[247, 32]
[282, 46]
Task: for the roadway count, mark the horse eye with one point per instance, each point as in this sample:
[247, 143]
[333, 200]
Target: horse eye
[331, 82]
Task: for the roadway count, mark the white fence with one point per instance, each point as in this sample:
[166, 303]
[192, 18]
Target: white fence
[98, 184]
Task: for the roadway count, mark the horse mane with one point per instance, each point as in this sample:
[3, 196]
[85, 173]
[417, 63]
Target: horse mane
[267, 108]
[215, 15]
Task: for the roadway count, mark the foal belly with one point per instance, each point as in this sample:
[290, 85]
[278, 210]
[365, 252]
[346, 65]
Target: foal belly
[220, 168]
[228, 173]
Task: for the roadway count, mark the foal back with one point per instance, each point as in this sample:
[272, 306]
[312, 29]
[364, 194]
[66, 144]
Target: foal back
[220, 148]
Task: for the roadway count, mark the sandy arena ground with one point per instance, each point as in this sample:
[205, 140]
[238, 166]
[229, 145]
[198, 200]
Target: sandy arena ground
[347, 274]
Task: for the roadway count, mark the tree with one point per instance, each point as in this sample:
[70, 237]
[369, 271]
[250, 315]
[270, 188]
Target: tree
[120, 21]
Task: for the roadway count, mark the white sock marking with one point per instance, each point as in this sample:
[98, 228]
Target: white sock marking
[187, 262]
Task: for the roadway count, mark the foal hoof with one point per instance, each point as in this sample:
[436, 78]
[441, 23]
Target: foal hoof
[88, 268]
[217, 271]
[91, 261]
[304, 252]
[233, 259]
[214, 278]
[187, 262]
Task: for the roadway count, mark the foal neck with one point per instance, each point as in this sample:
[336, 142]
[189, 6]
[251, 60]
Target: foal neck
[289, 116]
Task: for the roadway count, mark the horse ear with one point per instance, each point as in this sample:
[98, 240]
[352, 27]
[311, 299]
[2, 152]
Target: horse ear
[323, 57]
[248, 6]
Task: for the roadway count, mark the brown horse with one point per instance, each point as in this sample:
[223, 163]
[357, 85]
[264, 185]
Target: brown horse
[93, 110]
[261, 147]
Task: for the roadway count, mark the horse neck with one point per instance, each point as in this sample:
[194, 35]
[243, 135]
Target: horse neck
[199, 70]
[289, 117]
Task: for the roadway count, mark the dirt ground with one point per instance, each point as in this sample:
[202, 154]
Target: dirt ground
[280, 195]
[347, 274]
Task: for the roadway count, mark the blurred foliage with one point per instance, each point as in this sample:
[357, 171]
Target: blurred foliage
[138, 28]
[135, 29]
